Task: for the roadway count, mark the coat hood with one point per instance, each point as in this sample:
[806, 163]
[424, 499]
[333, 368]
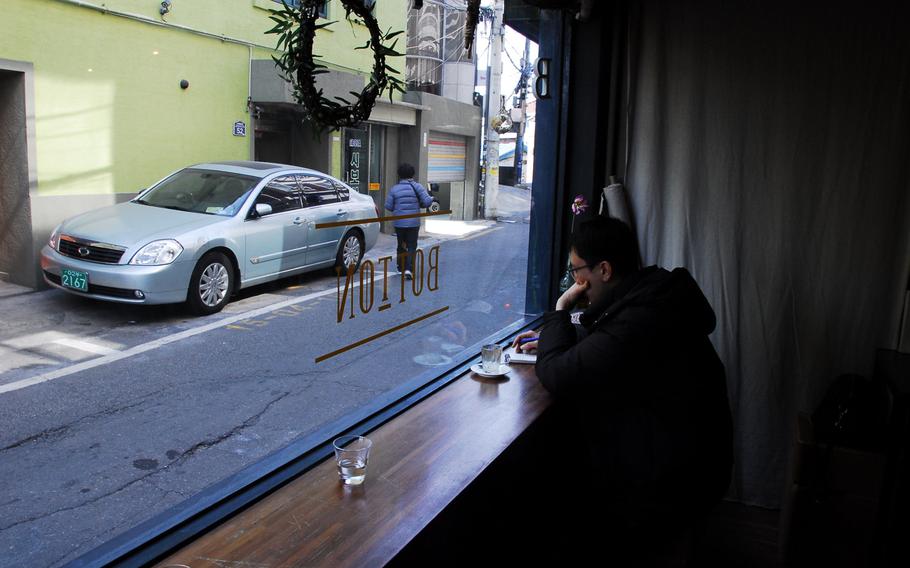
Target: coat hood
[672, 297]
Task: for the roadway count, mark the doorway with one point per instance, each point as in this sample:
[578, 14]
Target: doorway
[273, 141]
[16, 251]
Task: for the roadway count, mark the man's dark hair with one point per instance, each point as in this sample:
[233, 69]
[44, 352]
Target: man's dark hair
[606, 238]
[405, 171]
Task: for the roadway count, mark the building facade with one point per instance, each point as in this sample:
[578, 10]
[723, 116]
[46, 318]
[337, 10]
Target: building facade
[446, 143]
[100, 100]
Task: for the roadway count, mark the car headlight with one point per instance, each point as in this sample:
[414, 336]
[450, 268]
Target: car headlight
[157, 253]
[52, 242]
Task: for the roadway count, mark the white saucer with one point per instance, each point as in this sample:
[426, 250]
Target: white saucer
[478, 368]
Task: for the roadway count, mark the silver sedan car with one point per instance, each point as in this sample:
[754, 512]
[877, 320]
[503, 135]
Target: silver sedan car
[206, 231]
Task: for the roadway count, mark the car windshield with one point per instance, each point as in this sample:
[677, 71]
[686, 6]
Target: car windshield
[201, 191]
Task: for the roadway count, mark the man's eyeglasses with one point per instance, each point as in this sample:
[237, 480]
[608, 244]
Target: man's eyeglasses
[570, 272]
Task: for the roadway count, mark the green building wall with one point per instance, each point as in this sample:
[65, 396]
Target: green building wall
[108, 114]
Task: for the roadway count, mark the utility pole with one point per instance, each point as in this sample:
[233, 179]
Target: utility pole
[491, 163]
[522, 96]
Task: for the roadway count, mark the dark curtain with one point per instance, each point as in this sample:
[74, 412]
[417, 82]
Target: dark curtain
[768, 151]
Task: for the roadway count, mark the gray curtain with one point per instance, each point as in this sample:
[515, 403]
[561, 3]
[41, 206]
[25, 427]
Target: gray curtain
[769, 153]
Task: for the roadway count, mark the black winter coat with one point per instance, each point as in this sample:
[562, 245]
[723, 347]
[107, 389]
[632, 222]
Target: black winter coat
[647, 392]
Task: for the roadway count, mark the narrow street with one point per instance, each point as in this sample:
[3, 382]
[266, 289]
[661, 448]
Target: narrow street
[141, 408]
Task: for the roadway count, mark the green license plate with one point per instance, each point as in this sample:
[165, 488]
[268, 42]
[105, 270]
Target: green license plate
[75, 279]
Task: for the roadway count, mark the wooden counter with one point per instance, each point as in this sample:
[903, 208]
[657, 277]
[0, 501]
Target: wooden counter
[420, 462]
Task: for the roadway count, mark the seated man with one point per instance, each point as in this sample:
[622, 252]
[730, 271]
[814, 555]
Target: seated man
[645, 391]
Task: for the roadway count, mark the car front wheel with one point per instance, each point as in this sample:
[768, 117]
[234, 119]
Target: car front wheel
[211, 284]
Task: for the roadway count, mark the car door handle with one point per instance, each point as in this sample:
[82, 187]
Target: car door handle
[298, 221]
[341, 213]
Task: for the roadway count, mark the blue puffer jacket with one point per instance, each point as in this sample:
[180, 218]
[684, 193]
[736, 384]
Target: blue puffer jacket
[403, 200]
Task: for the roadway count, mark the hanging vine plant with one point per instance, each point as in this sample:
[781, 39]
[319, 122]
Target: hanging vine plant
[296, 29]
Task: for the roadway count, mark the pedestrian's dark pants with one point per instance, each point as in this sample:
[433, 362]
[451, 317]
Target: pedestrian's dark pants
[407, 243]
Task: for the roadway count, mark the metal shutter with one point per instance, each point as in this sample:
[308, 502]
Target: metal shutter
[446, 158]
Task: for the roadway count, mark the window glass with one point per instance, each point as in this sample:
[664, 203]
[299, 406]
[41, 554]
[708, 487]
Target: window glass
[317, 190]
[116, 410]
[423, 66]
[201, 191]
[454, 41]
[377, 151]
[344, 192]
[282, 194]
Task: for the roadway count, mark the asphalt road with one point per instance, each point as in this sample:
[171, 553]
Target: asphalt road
[168, 404]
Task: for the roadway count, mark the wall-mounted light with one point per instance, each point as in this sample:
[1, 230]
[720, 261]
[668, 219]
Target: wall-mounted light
[165, 7]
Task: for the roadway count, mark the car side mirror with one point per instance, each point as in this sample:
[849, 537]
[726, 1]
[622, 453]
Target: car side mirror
[263, 209]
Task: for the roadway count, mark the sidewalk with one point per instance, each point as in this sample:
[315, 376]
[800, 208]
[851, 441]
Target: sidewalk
[434, 232]
[8, 289]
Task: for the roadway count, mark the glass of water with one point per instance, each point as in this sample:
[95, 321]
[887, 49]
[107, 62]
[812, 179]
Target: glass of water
[490, 357]
[352, 454]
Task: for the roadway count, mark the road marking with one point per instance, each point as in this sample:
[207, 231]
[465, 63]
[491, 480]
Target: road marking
[85, 346]
[12, 359]
[151, 345]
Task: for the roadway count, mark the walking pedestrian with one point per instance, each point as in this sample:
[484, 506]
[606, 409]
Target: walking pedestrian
[406, 198]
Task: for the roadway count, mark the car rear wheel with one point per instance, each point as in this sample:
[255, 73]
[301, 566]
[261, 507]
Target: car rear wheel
[350, 253]
[211, 284]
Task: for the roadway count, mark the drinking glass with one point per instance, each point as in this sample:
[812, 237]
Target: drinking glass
[490, 357]
[352, 454]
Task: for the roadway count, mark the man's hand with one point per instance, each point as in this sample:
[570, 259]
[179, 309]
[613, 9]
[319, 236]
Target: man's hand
[529, 346]
[571, 296]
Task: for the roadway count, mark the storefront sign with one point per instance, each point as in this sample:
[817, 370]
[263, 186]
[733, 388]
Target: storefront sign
[426, 267]
[374, 292]
[355, 159]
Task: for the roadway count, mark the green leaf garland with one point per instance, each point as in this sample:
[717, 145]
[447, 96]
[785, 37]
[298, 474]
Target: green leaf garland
[296, 29]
